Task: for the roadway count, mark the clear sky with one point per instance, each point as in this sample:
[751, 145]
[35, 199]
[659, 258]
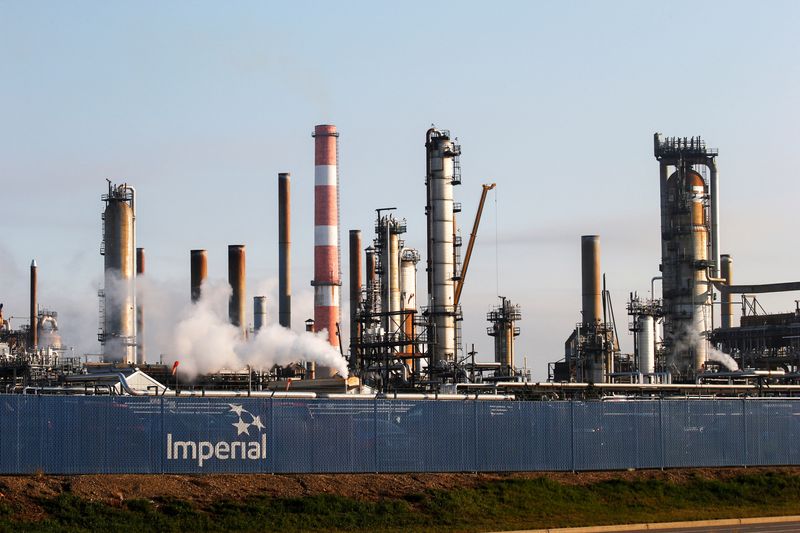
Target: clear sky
[200, 104]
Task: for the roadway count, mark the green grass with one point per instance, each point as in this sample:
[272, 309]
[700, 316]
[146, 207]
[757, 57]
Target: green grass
[508, 504]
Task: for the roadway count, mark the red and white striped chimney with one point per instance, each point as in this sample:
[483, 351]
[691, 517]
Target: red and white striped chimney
[327, 276]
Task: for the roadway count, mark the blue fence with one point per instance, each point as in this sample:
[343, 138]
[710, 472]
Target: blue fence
[84, 434]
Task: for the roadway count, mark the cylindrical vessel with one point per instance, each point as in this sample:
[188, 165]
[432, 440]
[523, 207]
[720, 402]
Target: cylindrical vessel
[284, 250]
[34, 311]
[355, 290]
[259, 312]
[326, 236]
[687, 294]
[140, 353]
[119, 333]
[236, 279]
[591, 289]
[408, 300]
[390, 273]
[199, 271]
[726, 311]
[441, 155]
[646, 344]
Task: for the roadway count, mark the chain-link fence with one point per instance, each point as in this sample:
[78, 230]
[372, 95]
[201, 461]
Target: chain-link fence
[84, 434]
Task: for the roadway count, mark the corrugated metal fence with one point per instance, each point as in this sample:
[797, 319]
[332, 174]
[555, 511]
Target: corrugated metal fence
[85, 434]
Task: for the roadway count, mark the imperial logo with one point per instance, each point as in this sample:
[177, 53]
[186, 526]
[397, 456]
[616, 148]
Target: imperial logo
[238, 449]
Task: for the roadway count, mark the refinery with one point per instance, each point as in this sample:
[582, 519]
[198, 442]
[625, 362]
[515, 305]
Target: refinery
[405, 343]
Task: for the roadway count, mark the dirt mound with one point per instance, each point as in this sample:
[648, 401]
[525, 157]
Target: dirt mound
[22, 493]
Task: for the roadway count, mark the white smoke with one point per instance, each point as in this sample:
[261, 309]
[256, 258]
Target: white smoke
[721, 357]
[202, 340]
[692, 339]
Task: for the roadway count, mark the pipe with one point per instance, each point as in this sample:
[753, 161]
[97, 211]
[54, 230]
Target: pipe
[714, 185]
[355, 292]
[140, 353]
[372, 278]
[199, 272]
[259, 313]
[590, 279]
[34, 308]
[236, 279]
[726, 310]
[311, 366]
[327, 274]
[284, 250]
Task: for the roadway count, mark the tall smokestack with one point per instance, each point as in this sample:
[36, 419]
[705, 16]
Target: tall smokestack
[140, 354]
[355, 290]
[199, 271]
[590, 276]
[284, 250]
[236, 273]
[726, 311]
[34, 334]
[327, 276]
[259, 313]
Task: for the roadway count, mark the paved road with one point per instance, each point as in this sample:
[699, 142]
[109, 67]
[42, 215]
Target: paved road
[785, 527]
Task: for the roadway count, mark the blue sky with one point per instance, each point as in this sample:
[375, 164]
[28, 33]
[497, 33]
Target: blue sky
[201, 104]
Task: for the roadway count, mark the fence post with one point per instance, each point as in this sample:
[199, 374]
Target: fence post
[744, 432]
[161, 436]
[475, 435]
[375, 432]
[661, 428]
[572, 432]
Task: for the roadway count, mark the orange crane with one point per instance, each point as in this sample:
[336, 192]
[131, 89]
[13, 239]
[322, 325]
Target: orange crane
[465, 266]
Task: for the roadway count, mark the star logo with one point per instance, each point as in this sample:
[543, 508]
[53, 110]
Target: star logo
[246, 420]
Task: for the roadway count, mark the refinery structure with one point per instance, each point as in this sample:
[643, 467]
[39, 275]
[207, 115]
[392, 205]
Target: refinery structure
[405, 319]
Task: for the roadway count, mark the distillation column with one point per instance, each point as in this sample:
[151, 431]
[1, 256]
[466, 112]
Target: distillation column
[442, 154]
[409, 258]
[119, 293]
[690, 249]
[594, 357]
[326, 236]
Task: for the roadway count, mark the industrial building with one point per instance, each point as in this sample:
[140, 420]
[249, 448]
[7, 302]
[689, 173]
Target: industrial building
[406, 333]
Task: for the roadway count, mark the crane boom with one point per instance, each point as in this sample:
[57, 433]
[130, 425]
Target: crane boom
[465, 266]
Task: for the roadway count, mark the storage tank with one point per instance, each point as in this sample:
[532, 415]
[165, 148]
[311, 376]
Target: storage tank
[646, 343]
[119, 294]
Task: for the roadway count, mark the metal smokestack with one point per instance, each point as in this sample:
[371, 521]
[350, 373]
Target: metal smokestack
[355, 290]
[327, 275]
[590, 280]
[119, 294]
[199, 271]
[726, 310]
[259, 313]
[140, 353]
[34, 333]
[284, 250]
[236, 279]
